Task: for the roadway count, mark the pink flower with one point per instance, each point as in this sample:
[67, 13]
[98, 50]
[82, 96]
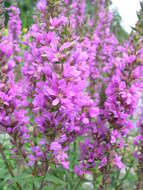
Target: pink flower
[118, 162]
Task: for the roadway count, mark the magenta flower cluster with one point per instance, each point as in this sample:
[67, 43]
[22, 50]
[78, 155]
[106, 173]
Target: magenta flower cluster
[74, 80]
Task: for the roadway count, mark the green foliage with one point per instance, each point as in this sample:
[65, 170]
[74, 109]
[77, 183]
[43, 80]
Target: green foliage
[117, 29]
[58, 178]
[139, 25]
[26, 11]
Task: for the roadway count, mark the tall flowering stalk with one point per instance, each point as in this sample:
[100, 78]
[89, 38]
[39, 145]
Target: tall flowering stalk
[58, 100]
[139, 154]
[115, 87]
[7, 90]
[138, 142]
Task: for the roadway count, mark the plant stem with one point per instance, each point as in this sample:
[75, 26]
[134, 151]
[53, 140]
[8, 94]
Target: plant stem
[78, 184]
[46, 170]
[8, 165]
[42, 183]
[34, 188]
[123, 179]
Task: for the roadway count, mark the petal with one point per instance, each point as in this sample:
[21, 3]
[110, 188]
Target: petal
[55, 102]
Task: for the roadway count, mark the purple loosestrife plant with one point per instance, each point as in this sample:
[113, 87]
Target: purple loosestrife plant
[60, 106]
[77, 90]
[115, 87]
[13, 112]
[138, 154]
[138, 141]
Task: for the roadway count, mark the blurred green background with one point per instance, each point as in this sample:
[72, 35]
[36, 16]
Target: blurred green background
[27, 8]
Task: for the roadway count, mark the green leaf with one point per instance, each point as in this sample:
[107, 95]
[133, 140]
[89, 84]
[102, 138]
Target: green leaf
[60, 187]
[21, 178]
[53, 179]
[47, 188]
[3, 172]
